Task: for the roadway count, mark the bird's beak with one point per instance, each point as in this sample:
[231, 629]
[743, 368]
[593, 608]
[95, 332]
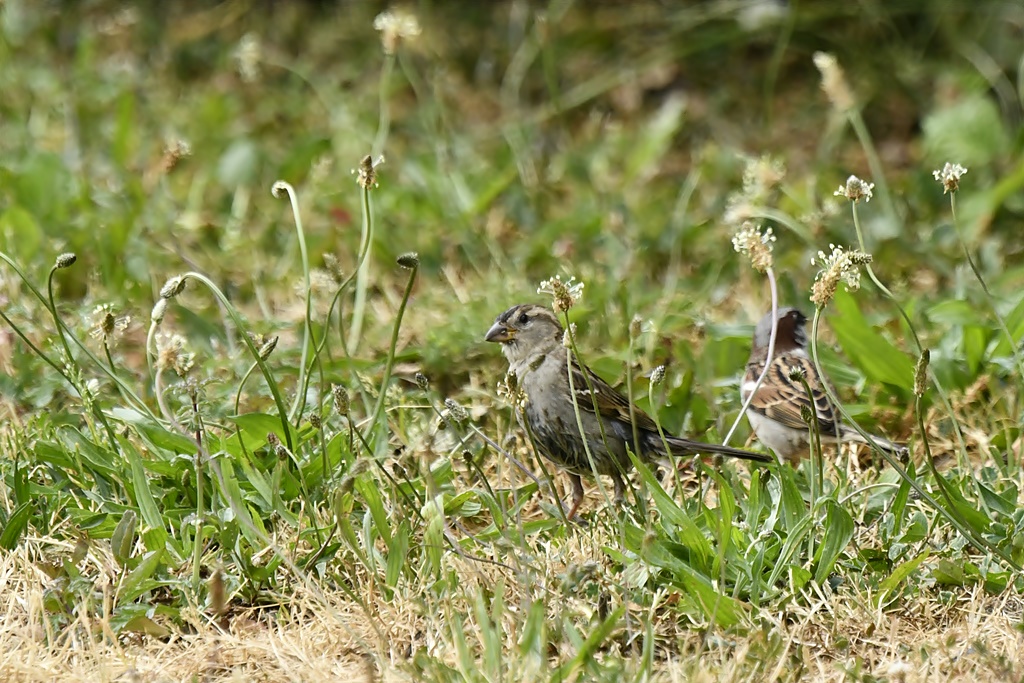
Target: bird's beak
[499, 333]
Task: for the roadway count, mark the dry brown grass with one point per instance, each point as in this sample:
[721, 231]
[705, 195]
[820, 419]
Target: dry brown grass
[820, 636]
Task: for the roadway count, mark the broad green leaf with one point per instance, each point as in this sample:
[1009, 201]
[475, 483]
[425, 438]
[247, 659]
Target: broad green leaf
[26, 234]
[723, 609]
[533, 641]
[464, 504]
[1015, 324]
[21, 487]
[101, 458]
[794, 508]
[136, 583]
[146, 626]
[433, 537]
[839, 528]
[873, 353]
[675, 518]
[138, 618]
[237, 165]
[15, 527]
[975, 344]
[143, 494]
[368, 487]
[125, 139]
[156, 435]
[398, 552]
[796, 536]
[955, 312]
[256, 426]
[970, 130]
[233, 492]
[955, 572]
[1004, 503]
[967, 511]
[898, 576]
[724, 516]
[123, 539]
[260, 483]
[917, 529]
[596, 638]
[899, 503]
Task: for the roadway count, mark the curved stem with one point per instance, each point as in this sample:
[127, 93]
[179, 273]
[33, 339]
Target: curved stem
[384, 123]
[197, 547]
[571, 353]
[964, 529]
[768, 361]
[390, 363]
[56, 318]
[300, 396]
[82, 390]
[35, 349]
[943, 396]
[817, 458]
[874, 164]
[140, 405]
[943, 487]
[264, 368]
[664, 444]
[238, 407]
[988, 294]
[579, 417]
[362, 274]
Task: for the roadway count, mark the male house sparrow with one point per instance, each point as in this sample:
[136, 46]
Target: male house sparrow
[531, 339]
[774, 413]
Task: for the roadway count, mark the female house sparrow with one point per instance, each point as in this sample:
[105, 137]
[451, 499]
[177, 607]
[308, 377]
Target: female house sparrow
[774, 413]
[531, 339]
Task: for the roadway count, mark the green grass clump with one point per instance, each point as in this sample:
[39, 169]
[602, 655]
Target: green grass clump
[241, 434]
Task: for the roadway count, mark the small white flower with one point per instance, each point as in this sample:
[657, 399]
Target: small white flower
[833, 81]
[755, 245]
[839, 266]
[106, 324]
[564, 294]
[173, 287]
[248, 56]
[366, 174]
[761, 175]
[173, 354]
[396, 24]
[949, 176]
[855, 190]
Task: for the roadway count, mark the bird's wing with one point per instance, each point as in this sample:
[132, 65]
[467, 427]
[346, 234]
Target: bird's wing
[610, 403]
[782, 399]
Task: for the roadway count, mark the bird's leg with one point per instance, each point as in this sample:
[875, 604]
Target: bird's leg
[620, 489]
[577, 495]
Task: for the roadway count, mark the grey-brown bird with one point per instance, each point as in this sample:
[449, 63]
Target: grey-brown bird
[775, 412]
[531, 339]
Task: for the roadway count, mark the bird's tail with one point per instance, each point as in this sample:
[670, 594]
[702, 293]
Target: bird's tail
[891, 447]
[679, 446]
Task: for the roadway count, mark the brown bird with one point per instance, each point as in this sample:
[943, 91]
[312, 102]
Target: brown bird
[531, 339]
[775, 413]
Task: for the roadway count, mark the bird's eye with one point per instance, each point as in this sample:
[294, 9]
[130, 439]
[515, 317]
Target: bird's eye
[523, 318]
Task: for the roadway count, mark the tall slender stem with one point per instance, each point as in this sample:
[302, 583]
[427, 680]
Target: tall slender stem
[984, 286]
[943, 396]
[768, 361]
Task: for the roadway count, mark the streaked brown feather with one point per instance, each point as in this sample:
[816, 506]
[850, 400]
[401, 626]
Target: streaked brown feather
[611, 403]
[782, 399]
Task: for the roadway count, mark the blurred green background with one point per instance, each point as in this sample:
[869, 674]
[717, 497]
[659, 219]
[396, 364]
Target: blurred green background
[621, 143]
[606, 141]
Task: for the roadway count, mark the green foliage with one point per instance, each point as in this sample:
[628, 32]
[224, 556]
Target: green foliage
[605, 148]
